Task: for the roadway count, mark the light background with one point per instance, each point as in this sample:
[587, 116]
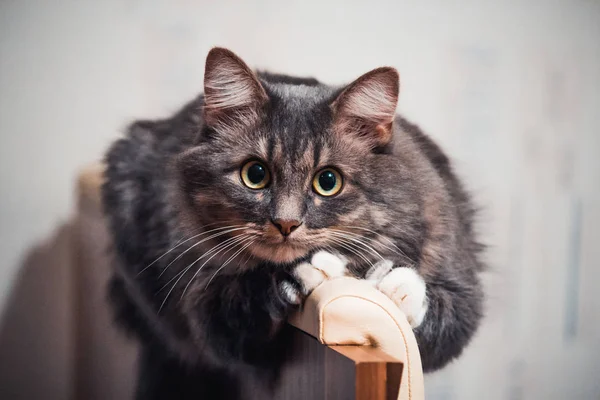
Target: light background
[510, 90]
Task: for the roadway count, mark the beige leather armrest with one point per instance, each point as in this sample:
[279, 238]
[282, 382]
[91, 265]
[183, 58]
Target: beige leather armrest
[348, 311]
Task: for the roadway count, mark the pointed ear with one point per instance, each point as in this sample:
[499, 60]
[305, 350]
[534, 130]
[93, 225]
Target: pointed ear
[232, 93]
[367, 107]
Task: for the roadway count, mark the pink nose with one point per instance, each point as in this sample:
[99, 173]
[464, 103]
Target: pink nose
[286, 226]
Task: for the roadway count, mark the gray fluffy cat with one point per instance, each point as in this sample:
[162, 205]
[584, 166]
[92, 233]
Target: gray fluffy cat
[225, 216]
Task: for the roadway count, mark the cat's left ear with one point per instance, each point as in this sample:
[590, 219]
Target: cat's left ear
[232, 93]
[366, 108]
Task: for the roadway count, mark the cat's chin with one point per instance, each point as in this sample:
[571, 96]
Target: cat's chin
[282, 253]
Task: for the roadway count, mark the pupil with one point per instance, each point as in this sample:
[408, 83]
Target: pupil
[327, 180]
[256, 173]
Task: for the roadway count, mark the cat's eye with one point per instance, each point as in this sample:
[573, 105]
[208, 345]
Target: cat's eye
[327, 182]
[255, 175]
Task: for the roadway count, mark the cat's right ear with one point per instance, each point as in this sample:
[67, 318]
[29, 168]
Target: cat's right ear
[367, 107]
[232, 93]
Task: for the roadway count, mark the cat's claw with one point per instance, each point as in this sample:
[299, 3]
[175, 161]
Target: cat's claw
[290, 292]
[405, 287]
[323, 265]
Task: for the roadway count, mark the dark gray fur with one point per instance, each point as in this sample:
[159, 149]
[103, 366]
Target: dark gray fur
[197, 344]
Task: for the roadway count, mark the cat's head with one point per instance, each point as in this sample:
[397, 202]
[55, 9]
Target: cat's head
[286, 166]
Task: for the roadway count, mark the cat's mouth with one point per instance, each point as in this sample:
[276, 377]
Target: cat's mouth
[283, 252]
[272, 246]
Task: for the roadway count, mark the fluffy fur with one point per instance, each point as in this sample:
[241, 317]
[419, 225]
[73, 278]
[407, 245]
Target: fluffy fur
[204, 279]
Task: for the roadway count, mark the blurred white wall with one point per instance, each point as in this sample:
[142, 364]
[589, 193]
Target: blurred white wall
[512, 92]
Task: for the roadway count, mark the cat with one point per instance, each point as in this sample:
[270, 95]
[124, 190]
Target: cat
[225, 216]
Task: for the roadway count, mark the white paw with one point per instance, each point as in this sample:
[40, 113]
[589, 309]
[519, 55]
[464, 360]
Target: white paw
[332, 265]
[289, 291]
[407, 289]
[378, 271]
[322, 266]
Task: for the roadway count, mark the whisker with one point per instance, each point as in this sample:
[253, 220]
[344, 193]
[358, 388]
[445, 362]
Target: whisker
[182, 242]
[214, 235]
[248, 257]
[179, 243]
[231, 247]
[396, 249]
[228, 261]
[348, 246]
[356, 240]
[231, 242]
[378, 234]
[354, 234]
[217, 247]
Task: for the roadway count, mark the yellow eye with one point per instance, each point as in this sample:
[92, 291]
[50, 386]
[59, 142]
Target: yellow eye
[255, 175]
[327, 182]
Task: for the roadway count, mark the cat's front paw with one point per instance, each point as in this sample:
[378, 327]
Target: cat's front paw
[407, 289]
[323, 265]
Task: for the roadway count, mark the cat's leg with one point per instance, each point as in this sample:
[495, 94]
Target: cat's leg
[444, 309]
[322, 266]
[404, 286]
[240, 316]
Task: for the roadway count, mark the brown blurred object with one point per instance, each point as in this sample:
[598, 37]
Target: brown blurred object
[57, 340]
